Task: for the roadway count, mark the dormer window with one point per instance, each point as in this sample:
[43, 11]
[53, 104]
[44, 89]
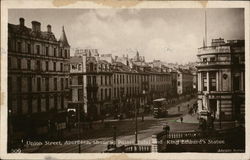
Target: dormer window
[79, 67]
[212, 59]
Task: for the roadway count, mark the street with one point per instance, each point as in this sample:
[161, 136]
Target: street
[96, 139]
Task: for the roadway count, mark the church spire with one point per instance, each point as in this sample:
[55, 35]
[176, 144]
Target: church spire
[63, 39]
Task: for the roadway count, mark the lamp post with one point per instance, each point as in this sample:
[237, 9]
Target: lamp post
[79, 129]
[114, 138]
[142, 117]
[136, 129]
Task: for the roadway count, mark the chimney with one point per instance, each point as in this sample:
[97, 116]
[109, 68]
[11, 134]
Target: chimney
[49, 28]
[21, 20]
[36, 26]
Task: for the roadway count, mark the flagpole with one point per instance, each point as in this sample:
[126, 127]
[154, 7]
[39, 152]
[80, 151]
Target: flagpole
[205, 27]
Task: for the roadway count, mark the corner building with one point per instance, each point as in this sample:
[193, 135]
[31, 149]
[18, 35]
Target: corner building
[221, 79]
[38, 76]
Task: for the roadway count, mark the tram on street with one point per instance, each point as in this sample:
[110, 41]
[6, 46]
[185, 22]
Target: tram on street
[160, 108]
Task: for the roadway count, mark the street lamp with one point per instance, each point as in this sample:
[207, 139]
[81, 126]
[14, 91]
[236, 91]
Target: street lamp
[79, 129]
[142, 117]
[136, 129]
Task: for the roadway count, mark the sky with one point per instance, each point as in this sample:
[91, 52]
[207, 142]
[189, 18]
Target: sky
[170, 35]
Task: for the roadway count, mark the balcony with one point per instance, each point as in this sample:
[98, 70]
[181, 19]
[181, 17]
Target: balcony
[214, 50]
[213, 63]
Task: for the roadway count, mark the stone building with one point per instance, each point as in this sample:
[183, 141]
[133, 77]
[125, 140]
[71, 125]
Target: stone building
[38, 75]
[221, 79]
[114, 86]
[184, 81]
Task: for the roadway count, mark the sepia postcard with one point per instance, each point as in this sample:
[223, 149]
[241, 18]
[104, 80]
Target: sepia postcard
[125, 79]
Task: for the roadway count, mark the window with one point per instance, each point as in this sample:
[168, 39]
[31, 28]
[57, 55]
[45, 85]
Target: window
[39, 104]
[80, 80]
[54, 52]
[62, 84]
[212, 81]
[47, 102]
[55, 101]
[105, 93]
[114, 78]
[62, 102]
[236, 83]
[47, 84]
[29, 84]
[204, 59]
[212, 59]
[28, 48]
[19, 47]
[67, 81]
[38, 84]
[65, 53]
[54, 65]
[101, 94]
[114, 92]
[37, 49]
[109, 93]
[61, 66]
[60, 53]
[47, 51]
[94, 80]
[55, 84]
[101, 80]
[105, 80]
[91, 67]
[204, 81]
[19, 63]
[179, 83]
[28, 64]
[79, 67]
[47, 66]
[38, 65]
[80, 94]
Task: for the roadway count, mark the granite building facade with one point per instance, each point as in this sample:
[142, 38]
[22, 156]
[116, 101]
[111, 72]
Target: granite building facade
[221, 79]
[38, 76]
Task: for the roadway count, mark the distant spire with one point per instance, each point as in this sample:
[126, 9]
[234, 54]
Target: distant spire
[63, 38]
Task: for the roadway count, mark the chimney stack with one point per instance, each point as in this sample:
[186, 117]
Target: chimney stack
[21, 20]
[36, 26]
[49, 28]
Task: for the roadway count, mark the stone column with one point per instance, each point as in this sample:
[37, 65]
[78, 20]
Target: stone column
[199, 81]
[217, 81]
[207, 81]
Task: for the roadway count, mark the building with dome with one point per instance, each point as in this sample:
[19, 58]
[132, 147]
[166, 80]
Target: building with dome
[221, 79]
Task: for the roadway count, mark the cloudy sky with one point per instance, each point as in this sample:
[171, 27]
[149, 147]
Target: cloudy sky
[171, 35]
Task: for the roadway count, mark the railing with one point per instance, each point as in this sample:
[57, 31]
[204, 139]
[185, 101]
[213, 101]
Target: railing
[160, 140]
[213, 63]
[130, 149]
[213, 49]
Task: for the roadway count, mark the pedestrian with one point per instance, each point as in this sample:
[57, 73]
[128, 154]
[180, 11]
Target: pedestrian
[181, 119]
